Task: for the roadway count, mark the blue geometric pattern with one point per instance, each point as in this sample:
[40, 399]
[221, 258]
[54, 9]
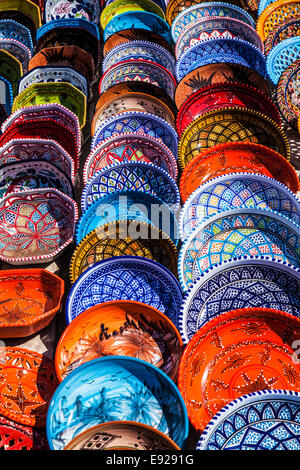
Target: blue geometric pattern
[281, 56]
[265, 420]
[10, 29]
[264, 4]
[126, 278]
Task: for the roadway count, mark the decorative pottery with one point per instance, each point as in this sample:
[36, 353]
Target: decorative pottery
[119, 328]
[215, 74]
[117, 7]
[6, 95]
[237, 232]
[116, 383]
[256, 355]
[16, 49]
[234, 190]
[14, 436]
[30, 299]
[133, 176]
[123, 238]
[126, 278]
[10, 29]
[203, 10]
[28, 381]
[221, 96]
[138, 20]
[27, 9]
[54, 74]
[231, 125]
[139, 50]
[281, 56]
[32, 174]
[142, 123]
[236, 157]
[240, 283]
[138, 70]
[215, 27]
[269, 420]
[287, 93]
[66, 9]
[275, 14]
[289, 28]
[54, 92]
[134, 35]
[234, 50]
[262, 5]
[124, 435]
[10, 69]
[22, 150]
[128, 205]
[36, 225]
[74, 32]
[129, 147]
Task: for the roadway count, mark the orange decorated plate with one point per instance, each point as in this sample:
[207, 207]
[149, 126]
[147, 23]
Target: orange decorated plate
[239, 352]
[29, 299]
[123, 328]
[236, 157]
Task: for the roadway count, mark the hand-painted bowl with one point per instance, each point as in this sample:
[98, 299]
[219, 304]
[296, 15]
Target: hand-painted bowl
[18, 50]
[10, 29]
[14, 436]
[119, 328]
[115, 388]
[231, 125]
[275, 14]
[123, 238]
[128, 205]
[262, 5]
[123, 435]
[287, 93]
[26, 11]
[223, 95]
[117, 7]
[236, 157]
[126, 278]
[281, 56]
[11, 69]
[138, 122]
[234, 190]
[235, 50]
[218, 73]
[287, 29]
[260, 353]
[134, 35]
[237, 232]
[251, 422]
[133, 176]
[89, 9]
[30, 298]
[129, 147]
[36, 225]
[214, 27]
[28, 381]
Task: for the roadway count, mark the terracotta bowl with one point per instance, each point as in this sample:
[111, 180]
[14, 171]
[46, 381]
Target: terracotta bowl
[30, 298]
[134, 35]
[275, 14]
[124, 435]
[239, 352]
[218, 73]
[231, 125]
[236, 157]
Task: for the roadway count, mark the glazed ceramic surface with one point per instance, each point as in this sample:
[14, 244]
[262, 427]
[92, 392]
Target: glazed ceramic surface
[237, 232]
[275, 14]
[234, 190]
[126, 148]
[117, 7]
[28, 11]
[121, 385]
[135, 34]
[288, 28]
[14, 436]
[126, 278]
[36, 225]
[10, 29]
[281, 56]
[18, 50]
[287, 93]
[61, 9]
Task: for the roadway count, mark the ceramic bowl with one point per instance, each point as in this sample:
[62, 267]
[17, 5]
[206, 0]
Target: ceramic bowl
[234, 190]
[202, 10]
[36, 225]
[117, 7]
[6, 95]
[22, 150]
[235, 50]
[234, 233]
[281, 56]
[31, 376]
[289, 28]
[10, 69]
[123, 238]
[142, 123]
[132, 176]
[139, 50]
[218, 73]
[240, 283]
[262, 5]
[138, 20]
[287, 93]
[231, 125]
[275, 14]
[215, 27]
[236, 157]
[128, 205]
[18, 50]
[221, 96]
[135, 34]
[61, 9]
[119, 328]
[245, 334]
[10, 29]
[121, 385]
[26, 11]
[126, 278]
[14, 436]
[124, 435]
[129, 147]
[30, 299]
[251, 411]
